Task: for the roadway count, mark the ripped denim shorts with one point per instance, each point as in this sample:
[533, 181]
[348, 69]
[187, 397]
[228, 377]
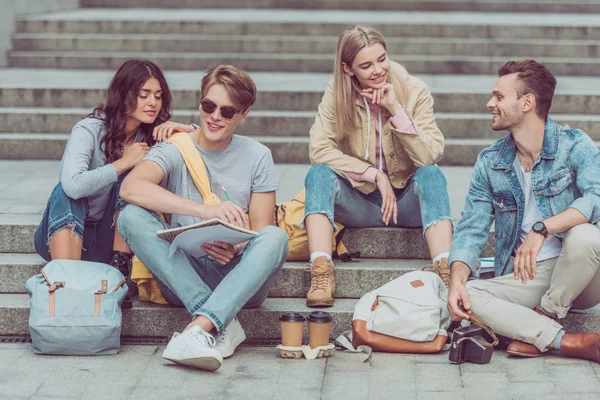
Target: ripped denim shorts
[62, 212]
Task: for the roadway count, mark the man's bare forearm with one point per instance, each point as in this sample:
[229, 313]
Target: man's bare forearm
[564, 221]
[151, 196]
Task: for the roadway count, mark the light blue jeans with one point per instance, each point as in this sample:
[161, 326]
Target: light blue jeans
[205, 287]
[422, 203]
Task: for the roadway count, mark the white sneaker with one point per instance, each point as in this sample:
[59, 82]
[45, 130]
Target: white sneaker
[232, 337]
[193, 348]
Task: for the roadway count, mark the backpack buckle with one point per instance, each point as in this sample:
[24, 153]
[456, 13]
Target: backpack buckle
[56, 285]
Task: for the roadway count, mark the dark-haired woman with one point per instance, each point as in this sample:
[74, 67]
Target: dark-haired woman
[79, 221]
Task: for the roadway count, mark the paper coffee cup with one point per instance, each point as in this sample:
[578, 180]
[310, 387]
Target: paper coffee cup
[292, 328]
[319, 327]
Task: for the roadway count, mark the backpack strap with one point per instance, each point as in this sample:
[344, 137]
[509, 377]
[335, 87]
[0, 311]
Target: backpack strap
[195, 165]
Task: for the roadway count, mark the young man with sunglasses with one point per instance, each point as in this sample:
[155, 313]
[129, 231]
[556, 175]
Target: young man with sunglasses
[215, 287]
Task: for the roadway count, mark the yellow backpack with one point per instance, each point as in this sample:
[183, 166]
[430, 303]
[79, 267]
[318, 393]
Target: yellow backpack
[288, 216]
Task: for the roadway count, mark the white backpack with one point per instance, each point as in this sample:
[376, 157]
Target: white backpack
[411, 307]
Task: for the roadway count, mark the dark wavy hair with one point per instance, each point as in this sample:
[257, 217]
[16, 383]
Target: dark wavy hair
[121, 101]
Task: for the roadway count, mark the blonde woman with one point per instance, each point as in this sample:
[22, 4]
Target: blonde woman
[373, 146]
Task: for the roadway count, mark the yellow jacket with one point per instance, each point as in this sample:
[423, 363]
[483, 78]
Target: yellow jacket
[404, 152]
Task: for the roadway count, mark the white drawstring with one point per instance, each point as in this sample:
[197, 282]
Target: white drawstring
[369, 134]
[380, 141]
[368, 128]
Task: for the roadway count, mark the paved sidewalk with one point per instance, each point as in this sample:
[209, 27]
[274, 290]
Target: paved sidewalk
[139, 372]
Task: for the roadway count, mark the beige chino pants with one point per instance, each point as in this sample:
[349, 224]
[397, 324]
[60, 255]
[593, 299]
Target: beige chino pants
[571, 280]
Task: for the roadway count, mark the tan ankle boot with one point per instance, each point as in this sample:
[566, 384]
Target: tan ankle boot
[322, 283]
[440, 268]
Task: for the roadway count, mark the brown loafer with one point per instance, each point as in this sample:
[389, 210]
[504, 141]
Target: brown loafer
[522, 349]
[581, 345]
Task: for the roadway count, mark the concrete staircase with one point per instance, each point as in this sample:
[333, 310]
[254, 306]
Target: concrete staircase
[61, 64]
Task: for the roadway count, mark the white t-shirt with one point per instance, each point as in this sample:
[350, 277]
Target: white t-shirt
[553, 246]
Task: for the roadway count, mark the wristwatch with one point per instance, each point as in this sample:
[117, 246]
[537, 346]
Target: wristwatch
[540, 227]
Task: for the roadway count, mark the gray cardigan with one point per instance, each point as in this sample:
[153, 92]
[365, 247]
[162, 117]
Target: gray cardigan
[83, 169]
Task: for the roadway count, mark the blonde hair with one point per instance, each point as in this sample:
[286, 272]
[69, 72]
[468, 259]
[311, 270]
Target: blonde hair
[346, 88]
[237, 83]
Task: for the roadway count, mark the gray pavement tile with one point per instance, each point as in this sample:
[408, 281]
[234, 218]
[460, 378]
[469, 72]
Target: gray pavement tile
[15, 346]
[385, 393]
[110, 386]
[441, 357]
[484, 394]
[346, 377]
[439, 395]
[35, 362]
[527, 389]
[21, 382]
[67, 382]
[481, 382]
[161, 373]
[156, 393]
[392, 373]
[575, 378]
[8, 358]
[286, 393]
[523, 370]
[437, 377]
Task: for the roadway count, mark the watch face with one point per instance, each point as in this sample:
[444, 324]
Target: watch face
[538, 227]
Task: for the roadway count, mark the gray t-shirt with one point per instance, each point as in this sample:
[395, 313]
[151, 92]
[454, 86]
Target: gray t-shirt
[245, 166]
[83, 169]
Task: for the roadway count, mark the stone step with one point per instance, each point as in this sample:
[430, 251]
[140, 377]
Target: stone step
[260, 324]
[544, 6]
[314, 22]
[299, 100]
[17, 230]
[300, 44]
[33, 87]
[301, 62]
[275, 123]
[353, 279]
[285, 150]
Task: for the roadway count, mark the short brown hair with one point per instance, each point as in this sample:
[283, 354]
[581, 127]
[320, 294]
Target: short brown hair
[533, 78]
[239, 85]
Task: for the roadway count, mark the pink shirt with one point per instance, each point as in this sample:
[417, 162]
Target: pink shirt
[401, 122]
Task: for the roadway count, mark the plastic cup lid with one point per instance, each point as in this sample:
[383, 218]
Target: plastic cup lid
[319, 316]
[292, 317]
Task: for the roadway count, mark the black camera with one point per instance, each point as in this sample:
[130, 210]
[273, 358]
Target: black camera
[469, 343]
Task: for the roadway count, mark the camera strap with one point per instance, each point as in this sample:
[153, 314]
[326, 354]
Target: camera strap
[477, 320]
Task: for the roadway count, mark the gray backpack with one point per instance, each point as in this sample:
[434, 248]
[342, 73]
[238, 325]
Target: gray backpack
[75, 308]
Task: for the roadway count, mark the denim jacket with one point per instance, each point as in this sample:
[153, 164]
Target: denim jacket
[565, 175]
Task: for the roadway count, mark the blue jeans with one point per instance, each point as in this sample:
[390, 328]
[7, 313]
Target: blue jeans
[62, 212]
[422, 203]
[205, 287]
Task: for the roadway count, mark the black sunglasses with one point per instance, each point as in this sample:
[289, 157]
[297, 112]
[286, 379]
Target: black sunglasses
[210, 107]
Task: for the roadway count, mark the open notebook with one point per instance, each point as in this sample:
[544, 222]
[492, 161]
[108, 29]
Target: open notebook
[189, 238]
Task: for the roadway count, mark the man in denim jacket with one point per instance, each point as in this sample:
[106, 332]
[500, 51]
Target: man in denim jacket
[541, 185]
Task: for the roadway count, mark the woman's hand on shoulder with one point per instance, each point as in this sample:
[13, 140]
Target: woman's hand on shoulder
[384, 96]
[164, 131]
